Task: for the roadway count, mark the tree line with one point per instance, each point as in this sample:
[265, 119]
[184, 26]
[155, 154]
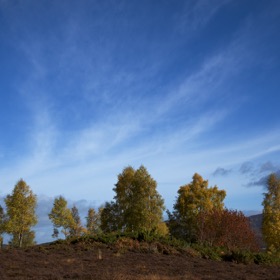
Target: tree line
[198, 215]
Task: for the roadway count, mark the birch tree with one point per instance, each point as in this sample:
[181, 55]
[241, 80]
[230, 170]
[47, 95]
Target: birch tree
[93, 221]
[61, 217]
[77, 229]
[139, 204]
[21, 215]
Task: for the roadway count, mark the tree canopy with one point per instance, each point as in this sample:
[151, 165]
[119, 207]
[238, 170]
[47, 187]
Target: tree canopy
[61, 217]
[93, 221]
[77, 228]
[138, 207]
[271, 214]
[21, 215]
[193, 198]
[226, 228]
[110, 219]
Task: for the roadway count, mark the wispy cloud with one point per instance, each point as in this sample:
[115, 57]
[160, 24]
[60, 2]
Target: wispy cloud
[76, 151]
[198, 13]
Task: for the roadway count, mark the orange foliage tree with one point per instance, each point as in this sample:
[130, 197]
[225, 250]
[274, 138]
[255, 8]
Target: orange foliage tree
[226, 228]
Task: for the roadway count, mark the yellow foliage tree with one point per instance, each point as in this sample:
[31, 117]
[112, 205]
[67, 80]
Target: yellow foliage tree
[21, 215]
[162, 229]
[140, 204]
[77, 229]
[93, 221]
[61, 217]
[271, 214]
[137, 207]
[193, 199]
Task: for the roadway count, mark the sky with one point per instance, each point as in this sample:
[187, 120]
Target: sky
[88, 88]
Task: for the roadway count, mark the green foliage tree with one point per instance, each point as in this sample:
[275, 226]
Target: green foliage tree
[271, 214]
[21, 215]
[110, 217]
[193, 198]
[93, 221]
[138, 206]
[61, 217]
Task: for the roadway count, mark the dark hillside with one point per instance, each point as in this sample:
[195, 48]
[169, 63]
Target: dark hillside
[256, 224]
[101, 261]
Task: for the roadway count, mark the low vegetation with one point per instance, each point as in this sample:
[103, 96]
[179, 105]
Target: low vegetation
[121, 243]
[118, 256]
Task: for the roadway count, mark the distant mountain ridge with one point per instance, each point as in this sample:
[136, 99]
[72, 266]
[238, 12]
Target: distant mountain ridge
[256, 221]
[256, 224]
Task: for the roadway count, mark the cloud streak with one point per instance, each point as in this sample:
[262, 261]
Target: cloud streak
[198, 13]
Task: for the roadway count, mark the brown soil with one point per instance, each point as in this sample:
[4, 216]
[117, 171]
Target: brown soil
[102, 262]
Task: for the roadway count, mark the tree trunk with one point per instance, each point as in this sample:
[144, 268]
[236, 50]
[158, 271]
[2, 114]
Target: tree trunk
[20, 240]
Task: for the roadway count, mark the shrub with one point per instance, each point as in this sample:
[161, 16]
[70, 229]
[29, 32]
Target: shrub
[226, 228]
[266, 258]
[245, 257]
[125, 243]
[208, 252]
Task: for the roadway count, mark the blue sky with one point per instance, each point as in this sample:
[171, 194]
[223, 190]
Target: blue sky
[90, 87]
